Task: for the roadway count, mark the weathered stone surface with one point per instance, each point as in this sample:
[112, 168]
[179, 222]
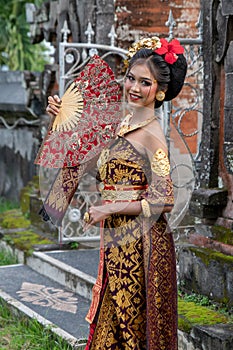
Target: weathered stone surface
[221, 43]
[211, 103]
[227, 7]
[18, 151]
[14, 96]
[43, 226]
[202, 241]
[228, 108]
[206, 272]
[208, 202]
[218, 337]
[210, 196]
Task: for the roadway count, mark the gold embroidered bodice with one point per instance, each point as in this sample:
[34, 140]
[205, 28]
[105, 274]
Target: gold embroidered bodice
[122, 165]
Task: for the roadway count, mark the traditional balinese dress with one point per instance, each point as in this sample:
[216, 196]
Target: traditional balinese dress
[134, 304]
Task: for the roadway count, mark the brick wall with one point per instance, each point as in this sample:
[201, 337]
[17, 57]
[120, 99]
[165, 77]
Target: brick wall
[139, 17]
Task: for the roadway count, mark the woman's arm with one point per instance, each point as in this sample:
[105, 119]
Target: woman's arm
[101, 212]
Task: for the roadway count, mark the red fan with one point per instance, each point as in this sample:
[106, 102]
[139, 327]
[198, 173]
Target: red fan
[89, 115]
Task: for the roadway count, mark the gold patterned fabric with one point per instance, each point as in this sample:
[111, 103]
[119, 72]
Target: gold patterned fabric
[62, 191]
[137, 309]
[160, 163]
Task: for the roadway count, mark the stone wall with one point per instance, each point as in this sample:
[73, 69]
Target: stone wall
[18, 148]
[19, 133]
[217, 337]
[207, 272]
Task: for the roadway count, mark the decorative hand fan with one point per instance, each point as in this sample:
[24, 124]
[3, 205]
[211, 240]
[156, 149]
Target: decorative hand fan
[71, 109]
[89, 115]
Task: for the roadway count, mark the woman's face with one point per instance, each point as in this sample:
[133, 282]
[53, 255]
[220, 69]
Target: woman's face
[140, 87]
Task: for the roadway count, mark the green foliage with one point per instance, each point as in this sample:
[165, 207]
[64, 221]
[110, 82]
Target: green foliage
[7, 205]
[74, 245]
[195, 309]
[197, 299]
[16, 50]
[7, 258]
[18, 332]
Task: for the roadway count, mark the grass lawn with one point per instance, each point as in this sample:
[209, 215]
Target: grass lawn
[20, 333]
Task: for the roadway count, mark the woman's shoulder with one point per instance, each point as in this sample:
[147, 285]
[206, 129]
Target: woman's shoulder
[154, 137]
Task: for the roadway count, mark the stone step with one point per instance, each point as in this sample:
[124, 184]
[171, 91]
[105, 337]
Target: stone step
[63, 309]
[74, 269]
[52, 304]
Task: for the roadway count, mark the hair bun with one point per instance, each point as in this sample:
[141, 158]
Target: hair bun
[178, 72]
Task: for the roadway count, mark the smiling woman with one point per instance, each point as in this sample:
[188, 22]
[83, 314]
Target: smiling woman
[141, 87]
[134, 304]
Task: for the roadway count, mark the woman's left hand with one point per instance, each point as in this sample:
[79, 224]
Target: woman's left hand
[97, 214]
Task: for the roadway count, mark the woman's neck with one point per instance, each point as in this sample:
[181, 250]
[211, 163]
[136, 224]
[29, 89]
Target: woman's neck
[141, 114]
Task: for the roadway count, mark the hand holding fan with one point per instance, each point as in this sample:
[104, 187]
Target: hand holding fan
[70, 110]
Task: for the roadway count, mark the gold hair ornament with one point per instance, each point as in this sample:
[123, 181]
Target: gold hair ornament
[152, 43]
[160, 95]
[168, 49]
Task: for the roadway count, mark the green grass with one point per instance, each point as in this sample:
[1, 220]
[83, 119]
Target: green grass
[6, 258]
[20, 333]
[7, 205]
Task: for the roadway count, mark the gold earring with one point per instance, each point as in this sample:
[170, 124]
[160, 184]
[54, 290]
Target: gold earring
[160, 96]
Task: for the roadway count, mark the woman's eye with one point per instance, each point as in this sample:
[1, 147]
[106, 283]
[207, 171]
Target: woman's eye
[146, 83]
[130, 78]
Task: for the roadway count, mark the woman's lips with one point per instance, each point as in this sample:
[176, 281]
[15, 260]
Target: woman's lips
[134, 97]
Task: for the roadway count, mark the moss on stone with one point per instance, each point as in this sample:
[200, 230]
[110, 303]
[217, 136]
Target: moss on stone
[208, 255]
[13, 219]
[191, 314]
[26, 192]
[25, 240]
[20, 235]
[222, 234]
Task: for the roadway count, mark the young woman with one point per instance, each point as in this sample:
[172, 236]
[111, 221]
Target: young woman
[134, 304]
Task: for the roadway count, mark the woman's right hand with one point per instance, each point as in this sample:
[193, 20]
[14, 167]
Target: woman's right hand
[53, 105]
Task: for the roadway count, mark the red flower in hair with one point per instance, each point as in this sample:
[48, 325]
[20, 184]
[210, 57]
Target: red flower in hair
[170, 50]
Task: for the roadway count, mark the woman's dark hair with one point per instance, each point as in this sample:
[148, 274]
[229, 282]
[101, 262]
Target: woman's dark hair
[170, 77]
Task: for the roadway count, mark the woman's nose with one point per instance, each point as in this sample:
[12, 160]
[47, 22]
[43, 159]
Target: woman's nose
[136, 86]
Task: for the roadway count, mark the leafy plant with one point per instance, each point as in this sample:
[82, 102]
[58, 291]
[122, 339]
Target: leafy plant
[7, 258]
[197, 299]
[74, 245]
[16, 50]
[202, 300]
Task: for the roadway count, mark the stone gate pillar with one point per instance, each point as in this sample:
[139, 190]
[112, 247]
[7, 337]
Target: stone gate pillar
[213, 200]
